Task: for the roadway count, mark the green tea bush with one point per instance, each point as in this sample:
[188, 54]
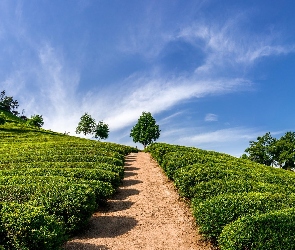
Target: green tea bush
[47, 165]
[273, 230]
[223, 189]
[175, 160]
[102, 190]
[159, 150]
[23, 226]
[72, 204]
[67, 176]
[82, 173]
[207, 190]
[49, 153]
[236, 168]
[187, 179]
[213, 214]
[62, 158]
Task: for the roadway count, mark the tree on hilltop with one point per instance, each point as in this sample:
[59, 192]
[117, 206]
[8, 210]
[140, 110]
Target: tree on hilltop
[146, 131]
[87, 125]
[271, 151]
[101, 131]
[7, 103]
[261, 151]
[285, 151]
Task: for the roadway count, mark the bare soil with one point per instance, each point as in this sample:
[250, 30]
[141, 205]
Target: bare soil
[145, 213]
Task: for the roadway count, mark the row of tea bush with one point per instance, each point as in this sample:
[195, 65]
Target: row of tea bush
[51, 183]
[237, 204]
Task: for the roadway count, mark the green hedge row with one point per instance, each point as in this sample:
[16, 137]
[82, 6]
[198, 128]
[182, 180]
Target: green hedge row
[214, 214]
[102, 190]
[273, 230]
[50, 184]
[23, 226]
[73, 204]
[62, 158]
[80, 173]
[81, 165]
[206, 181]
[223, 190]
[28, 139]
[64, 152]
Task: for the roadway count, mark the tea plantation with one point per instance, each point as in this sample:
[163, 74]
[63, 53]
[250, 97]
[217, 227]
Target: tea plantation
[51, 183]
[237, 204]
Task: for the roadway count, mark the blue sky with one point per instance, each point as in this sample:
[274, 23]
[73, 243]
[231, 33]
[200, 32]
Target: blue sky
[214, 74]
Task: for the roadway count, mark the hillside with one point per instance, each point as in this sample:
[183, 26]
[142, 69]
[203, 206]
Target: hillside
[237, 204]
[52, 183]
[11, 119]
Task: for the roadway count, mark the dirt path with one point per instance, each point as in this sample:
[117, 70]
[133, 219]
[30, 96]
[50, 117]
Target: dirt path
[146, 213]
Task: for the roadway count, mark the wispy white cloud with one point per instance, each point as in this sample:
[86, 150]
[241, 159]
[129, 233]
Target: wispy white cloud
[169, 118]
[223, 135]
[57, 85]
[56, 80]
[56, 96]
[13, 83]
[158, 94]
[232, 140]
[211, 118]
[47, 87]
[266, 50]
[228, 50]
[174, 133]
[228, 45]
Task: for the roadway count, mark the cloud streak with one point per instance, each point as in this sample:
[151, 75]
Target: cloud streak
[228, 45]
[211, 118]
[223, 135]
[157, 94]
[234, 140]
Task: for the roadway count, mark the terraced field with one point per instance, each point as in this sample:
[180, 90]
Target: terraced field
[51, 184]
[237, 204]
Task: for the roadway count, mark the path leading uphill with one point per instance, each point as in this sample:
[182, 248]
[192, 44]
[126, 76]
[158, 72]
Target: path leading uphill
[146, 213]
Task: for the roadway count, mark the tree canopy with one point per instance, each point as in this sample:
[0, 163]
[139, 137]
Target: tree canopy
[36, 121]
[101, 131]
[271, 151]
[146, 131]
[285, 151]
[7, 103]
[261, 151]
[87, 125]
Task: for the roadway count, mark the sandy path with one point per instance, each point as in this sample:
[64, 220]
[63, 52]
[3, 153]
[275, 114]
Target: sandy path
[146, 213]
